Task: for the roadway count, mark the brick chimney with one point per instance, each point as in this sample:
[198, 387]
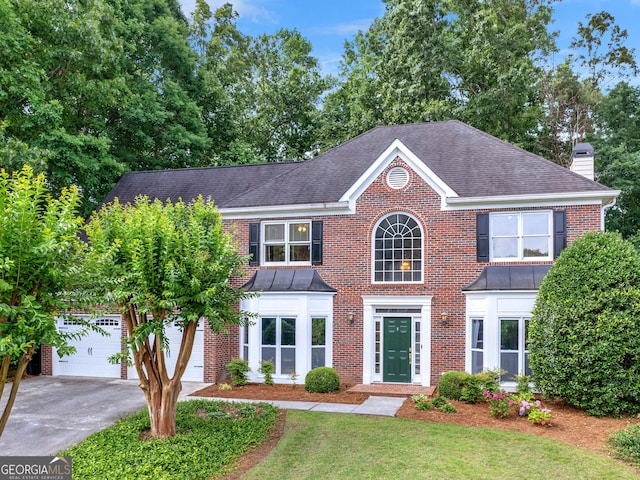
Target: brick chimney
[582, 160]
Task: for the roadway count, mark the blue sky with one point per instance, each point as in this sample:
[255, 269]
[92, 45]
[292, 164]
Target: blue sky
[328, 23]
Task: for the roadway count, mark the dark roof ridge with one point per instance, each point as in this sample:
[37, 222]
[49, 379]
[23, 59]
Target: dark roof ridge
[210, 167]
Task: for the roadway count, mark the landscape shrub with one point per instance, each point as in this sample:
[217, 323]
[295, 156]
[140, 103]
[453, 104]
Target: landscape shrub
[626, 444]
[322, 380]
[267, 368]
[451, 384]
[584, 336]
[238, 369]
[210, 436]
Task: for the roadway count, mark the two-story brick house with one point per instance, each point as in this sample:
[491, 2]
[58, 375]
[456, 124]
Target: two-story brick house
[405, 252]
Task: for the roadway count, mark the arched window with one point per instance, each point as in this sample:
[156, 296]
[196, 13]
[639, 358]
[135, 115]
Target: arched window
[397, 250]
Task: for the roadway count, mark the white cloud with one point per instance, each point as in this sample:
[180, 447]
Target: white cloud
[343, 29]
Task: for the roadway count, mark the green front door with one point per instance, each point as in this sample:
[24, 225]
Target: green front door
[397, 349]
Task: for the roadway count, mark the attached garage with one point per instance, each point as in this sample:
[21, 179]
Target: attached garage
[92, 350]
[195, 367]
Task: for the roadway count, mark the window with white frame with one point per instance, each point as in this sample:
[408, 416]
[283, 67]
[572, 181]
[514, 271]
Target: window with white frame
[477, 345]
[287, 242]
[318, 342]
[397, 250]
[521, 235]
[514, 355]
[244, 334]
[278, 343]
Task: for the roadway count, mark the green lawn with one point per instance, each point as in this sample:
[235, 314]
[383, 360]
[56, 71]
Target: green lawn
[340, 446]
[212, 435]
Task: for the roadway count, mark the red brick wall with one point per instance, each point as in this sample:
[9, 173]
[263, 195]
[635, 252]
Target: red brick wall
[449, 264]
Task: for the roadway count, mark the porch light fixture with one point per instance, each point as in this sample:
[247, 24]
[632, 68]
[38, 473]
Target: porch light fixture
[443, 318]
[351, 317]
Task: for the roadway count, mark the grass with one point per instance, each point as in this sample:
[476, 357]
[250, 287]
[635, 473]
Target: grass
[211, 436]
[626, 444]
[337, 446]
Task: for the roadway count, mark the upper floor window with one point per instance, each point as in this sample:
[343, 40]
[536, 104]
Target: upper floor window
[521, 235]
[287, 242]
[397, 249]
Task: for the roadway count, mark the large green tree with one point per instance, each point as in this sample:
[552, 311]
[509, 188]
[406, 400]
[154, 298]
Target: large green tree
[38, 243]
[617, 144]
[472, 60]
[103, 86]
[157, 264]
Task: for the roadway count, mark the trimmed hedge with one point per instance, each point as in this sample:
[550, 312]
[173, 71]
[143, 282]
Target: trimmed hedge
[451, 384]
[584, 336]
[322, 380]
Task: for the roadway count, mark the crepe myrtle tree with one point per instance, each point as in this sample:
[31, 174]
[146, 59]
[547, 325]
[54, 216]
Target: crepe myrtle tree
[38, 248]
[160, 263]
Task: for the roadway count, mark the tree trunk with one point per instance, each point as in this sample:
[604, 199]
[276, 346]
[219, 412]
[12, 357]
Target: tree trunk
[22, 366]
[162, 401]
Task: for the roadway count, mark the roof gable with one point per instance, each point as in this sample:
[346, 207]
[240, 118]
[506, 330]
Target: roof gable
[460, 162]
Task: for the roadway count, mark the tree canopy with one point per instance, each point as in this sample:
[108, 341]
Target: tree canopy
[158, 264]
[90, 90]
[38, 247]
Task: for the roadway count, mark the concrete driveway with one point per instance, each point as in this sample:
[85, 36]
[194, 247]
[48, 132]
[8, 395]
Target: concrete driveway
[53, 413]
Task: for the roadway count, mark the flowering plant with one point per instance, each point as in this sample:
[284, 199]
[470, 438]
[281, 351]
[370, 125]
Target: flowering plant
[534, 411]
[499, 403]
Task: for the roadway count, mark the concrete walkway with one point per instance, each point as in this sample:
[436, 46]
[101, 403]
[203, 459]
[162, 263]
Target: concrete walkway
[53, 413]
[384, 406]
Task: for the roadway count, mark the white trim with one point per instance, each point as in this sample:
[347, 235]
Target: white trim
[286, 242]
[520, 236]
[299, 305]
[493, 305]
[539, 200]
[370, 303]
[275, 211]
[398, 149]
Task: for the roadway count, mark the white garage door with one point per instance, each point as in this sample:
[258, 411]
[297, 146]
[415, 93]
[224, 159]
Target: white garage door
[92, 350]
[195, 367]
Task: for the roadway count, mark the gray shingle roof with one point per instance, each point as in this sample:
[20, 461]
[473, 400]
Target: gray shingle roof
[471, 162]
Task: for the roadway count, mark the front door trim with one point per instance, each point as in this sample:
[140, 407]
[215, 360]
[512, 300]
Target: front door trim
[421, 305]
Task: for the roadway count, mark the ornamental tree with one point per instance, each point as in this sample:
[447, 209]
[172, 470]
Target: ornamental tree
[584, 336]
[158, 264]
[38, 242]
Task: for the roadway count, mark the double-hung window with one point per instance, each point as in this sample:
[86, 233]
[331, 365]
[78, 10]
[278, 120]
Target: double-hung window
[514, 354]
[278, 343]
[318, 341]
[521, 236]
[287, 242]
[477, 345]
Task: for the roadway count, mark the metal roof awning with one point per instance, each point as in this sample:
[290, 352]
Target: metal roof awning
[509, 277]
[289, 280]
